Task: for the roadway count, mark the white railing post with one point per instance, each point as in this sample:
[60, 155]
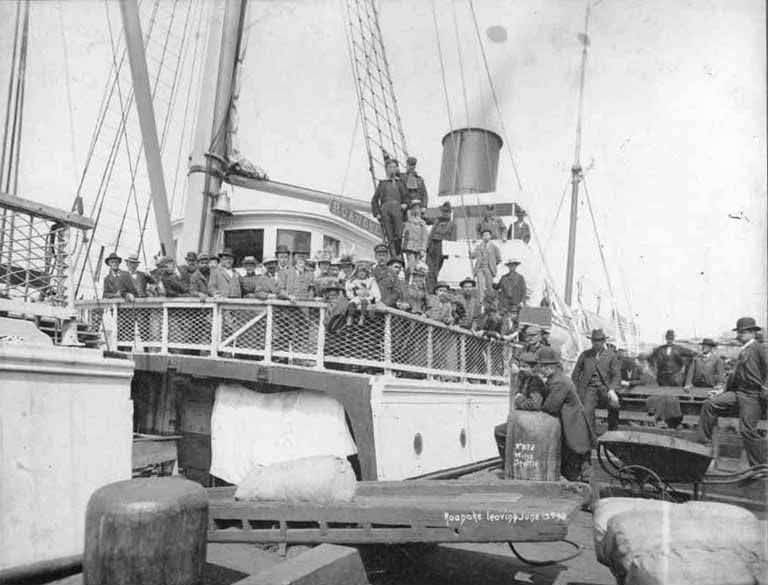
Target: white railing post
[164, 330]
[215, 329]
[388, 344]
[268, 334]
[463, 365]
[488, 359]
[320, 356]
[430, 351]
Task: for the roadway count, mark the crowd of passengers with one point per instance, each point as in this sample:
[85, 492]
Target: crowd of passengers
[353, 290]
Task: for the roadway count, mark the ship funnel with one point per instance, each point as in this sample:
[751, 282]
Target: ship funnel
[470, 161]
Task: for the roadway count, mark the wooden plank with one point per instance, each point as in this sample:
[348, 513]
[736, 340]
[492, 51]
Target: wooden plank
[20, 205]
[326, 564]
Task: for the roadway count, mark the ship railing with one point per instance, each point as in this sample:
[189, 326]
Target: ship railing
[387, 340]
[36, 258]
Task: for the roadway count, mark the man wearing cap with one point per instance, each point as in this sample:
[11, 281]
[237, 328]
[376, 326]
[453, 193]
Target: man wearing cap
[391, 288]
[597, 377]
[670, 360]
[338, 305]
[323, 277]
[415, 236]
[487, 257]
[387, 206]
[470, 300]
[746, 393]
[172, 284]
[561, 400]
[439, 306]
[192, 276]
[513, 291]
[490, 221]
[415, 297]
[443, 229]
[141, 280]
[296, 283]
[707, 369]
[187, 270]
[255, 284]
[380, 269]
[118, 283]
[414, 184]
[519, 230]
[224, 280]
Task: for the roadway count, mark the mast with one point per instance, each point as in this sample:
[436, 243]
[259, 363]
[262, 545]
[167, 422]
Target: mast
[576, 171]
[143, 95]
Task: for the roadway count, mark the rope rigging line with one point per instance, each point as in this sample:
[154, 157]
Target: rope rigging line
[454, 139]
[600, 248]
[534, 232]
[557, 214]
[67, 77]
[9, 103]
[106, 176]
[349, 154]
[461, 63]
[14, 153]
[190, 85]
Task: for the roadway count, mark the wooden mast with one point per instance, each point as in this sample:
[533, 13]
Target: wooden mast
[576, 171]
[134, 41]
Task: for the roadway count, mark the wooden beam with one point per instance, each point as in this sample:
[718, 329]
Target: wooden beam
[13, 203]
[134, 40]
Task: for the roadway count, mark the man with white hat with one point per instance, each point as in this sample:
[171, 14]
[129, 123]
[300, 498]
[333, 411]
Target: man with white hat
[513, 290]
[117, 283]
[141, 280]
[746, 393]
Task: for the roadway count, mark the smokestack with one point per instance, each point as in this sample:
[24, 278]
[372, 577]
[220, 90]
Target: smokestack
[470, 161]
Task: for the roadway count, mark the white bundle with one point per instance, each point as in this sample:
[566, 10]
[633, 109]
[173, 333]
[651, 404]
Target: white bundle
[321, 479]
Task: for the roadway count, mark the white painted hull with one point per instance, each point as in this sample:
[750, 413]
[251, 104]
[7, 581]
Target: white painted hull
[438, 412]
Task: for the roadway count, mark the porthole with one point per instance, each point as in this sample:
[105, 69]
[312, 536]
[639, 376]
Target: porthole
[418, 445]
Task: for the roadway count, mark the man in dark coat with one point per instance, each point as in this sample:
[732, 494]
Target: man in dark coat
[141, 280]
[173, 285]
[490, 221]
[414, 184]
[669, 361]
[597, 376]
[562, 401]
[387, 206]
[746, 393]
[118, 283]
[519, 230]
[707, 370]
[253, 285]
[512, 288]
[443, 229]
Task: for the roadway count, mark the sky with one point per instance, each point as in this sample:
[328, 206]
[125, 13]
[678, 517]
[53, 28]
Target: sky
[674, 125]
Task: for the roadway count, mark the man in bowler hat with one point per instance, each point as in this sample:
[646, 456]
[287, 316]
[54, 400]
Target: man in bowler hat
[118, 283]
[670, 361]
[597, 376]
[746, 392]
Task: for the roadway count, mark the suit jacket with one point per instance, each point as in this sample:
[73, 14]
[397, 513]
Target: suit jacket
[292, 283]
[607, 364]
[669, 362]
[705, 371]
[513, 290]
[388, 191]
[174, 285]
[489, 255]
[222, 284]
[563, 402]
[751, 371]
[140, 281]
[119, 285]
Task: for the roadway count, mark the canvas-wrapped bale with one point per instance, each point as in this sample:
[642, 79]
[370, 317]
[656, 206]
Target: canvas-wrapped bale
[321, 479]
[532, 450]
[699, 543]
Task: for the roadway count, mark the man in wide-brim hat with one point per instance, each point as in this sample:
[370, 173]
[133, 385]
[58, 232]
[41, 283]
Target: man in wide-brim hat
[746, 393]
[224, 281]
[117, 283]
[707, 370]
[597, 376]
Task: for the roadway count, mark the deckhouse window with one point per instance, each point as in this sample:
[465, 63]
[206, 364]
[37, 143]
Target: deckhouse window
[331, 245]
[297, 241]
[245, 243]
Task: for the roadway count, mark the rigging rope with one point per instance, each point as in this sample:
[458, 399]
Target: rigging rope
[349, 154]
[12, 185]
[461, 63]
[67, 77]
[557, 214]
[502, 126]
[9, 103]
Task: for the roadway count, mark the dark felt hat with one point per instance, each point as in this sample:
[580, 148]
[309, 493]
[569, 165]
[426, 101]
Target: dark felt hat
[670, 334]
[381, 248]
[469, 280]
[411, 160]
[226, 252]
[190, 256]
[547, 356]
[598, 335]
[395, 259]
[709, 342]
[746, 324]
[203, 257]
[112, 256]
[446, 206]
[282, 249]
[442, 284]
